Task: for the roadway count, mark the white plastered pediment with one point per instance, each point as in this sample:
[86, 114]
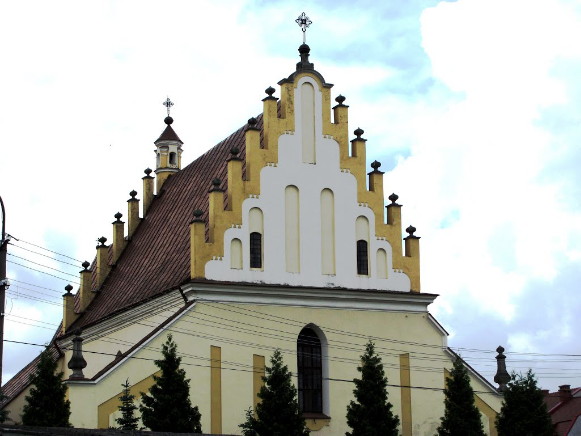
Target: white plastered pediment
[296, 222]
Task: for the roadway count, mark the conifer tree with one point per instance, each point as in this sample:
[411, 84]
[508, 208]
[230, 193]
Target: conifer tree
[128, 420]
[371, 413]
[461, 416]
[3, 413]
[523, 410]
[167, 407]
[278, 412]
[46, 405]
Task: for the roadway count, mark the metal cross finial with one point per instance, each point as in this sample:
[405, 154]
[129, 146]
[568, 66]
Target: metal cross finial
[168, 104]
[303, 21]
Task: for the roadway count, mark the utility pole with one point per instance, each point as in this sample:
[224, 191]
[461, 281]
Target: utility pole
[3, 282]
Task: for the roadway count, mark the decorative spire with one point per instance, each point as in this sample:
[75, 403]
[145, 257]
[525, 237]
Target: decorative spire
[216, 182]
[304, 22]
[77, 362]
[304, 65]
[270, 90]
[168, 134]
[340, 99]
[411, 230]
[252, 124]
[234, 154]
[376, 165]
[68, 288]
[168, 104]
[358, 132]
[198, 215]
[502, 376]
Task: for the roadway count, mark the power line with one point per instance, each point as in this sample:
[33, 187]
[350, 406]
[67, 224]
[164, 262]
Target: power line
[19, 288]
[356, 335]
[291, 337]
[54, 252]
[44, 255]
[31, 319]
[32, 284]
[31, 297]
[241, 370]
[43, 272]
[40, 264]
[274, 316]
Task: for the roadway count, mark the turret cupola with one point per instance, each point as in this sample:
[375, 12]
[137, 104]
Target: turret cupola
[168, 151]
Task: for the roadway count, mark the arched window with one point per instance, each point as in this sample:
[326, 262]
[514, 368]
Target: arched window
[310, 371]
[236, 254]
[362, 258]
[172, 158]
[255, 250]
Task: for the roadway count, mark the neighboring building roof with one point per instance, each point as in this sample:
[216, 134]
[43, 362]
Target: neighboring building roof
[575, 429]
[564, 407]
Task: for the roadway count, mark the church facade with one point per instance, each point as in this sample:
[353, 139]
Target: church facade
[277, 237]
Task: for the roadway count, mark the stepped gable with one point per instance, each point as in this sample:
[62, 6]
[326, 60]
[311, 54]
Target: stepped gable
[157, 259]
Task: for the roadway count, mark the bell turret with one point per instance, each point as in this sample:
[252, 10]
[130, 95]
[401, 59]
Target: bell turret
[168, 151]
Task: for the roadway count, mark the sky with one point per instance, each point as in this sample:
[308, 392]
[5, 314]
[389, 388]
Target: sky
[472, 106]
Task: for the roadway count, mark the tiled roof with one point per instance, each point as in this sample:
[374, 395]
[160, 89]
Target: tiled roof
[563, 411]
[168, 135]
[157, 258]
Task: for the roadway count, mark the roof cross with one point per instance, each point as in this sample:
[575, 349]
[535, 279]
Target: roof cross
[303, 21]
[168, 104]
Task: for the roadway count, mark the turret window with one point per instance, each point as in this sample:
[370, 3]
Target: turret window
[310, 372]
[362, 258]
[255, 250]
[172, 158]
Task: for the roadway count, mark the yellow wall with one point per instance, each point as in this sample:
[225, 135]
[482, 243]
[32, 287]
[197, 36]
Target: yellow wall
[241, 337]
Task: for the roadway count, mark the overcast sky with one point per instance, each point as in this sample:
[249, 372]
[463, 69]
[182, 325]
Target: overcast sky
[473, 107]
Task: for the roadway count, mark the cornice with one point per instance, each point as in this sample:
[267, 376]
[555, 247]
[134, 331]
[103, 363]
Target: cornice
[331, 298]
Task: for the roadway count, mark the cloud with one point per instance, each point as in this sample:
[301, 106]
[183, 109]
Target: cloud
[494, 152]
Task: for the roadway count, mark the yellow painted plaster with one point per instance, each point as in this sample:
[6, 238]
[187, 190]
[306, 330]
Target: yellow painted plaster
[132, 216]
[147, 193]
[489, 412]
[118, 239]
[242, 361]
[69, 315]
[258, 365]
[107, 408]
[406, 394]
[85, 290]
[216, 389]
[102, 264]
[160, 179]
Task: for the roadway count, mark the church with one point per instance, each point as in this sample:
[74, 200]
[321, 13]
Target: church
[278, 237]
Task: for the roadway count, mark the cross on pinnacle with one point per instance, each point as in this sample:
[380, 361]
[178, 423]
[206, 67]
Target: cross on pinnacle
[303, 21]
[168, 104]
